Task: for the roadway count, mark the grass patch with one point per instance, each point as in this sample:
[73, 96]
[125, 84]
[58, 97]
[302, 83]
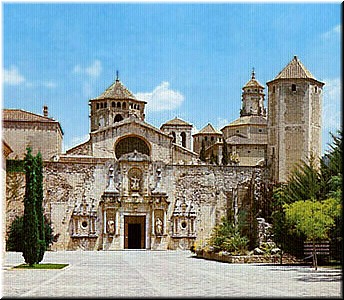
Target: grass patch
[41, 266]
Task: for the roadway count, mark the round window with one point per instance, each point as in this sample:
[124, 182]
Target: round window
[84, 224]
[183, 224]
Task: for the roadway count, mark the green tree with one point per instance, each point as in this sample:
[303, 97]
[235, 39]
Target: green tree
[313, 218]
[30, 223]
[225, 156]
[39, 208]
[213, 159]
[202, 156]
[15, 240]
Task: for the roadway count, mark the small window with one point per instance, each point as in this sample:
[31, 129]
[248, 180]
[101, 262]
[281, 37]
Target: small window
[113, 104]
[101, 105]
[206, 138]
[316, 89]
[260, 130]
[119, 104]
[293, 87]
[138, 106]
[105, 105]
[123, 105]
[183, 224]
[212, 138]
[97, 105]
[237, 131]
[273, 89]
[84, 224]
[248, 151]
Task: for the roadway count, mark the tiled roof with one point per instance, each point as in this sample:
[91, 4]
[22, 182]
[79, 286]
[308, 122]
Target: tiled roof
[116, 91]
[240, 140]
[176, 121]
[249, 120]
[22, 115]
[253, 82]
[295, 69]
[209, 129]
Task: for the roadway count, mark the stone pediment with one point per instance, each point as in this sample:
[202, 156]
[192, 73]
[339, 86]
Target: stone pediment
[135, 156]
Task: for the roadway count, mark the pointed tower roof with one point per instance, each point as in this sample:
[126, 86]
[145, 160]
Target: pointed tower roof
[117, 91]
[177, 121]
[209, 129]
[253, 82]
[295, 69]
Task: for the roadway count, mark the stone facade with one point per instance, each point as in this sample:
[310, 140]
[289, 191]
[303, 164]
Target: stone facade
[132, 185]
[21, 129]
[294, 123]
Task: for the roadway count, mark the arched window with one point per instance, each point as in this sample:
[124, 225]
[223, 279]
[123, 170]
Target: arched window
[293, 87]
[118, 118]
[113, 104]
[174, 137]
[183, 136]
[123, 105]
[130, 144]
[119, 104]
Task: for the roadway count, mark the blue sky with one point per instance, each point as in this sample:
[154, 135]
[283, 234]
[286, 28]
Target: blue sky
[186, 60]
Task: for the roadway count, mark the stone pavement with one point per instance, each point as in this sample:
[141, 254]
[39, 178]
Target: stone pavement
[142, 273]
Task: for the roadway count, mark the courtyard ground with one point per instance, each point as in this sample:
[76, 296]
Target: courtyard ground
[142, 273]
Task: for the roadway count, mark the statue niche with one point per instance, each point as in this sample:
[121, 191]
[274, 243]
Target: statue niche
[135, 180]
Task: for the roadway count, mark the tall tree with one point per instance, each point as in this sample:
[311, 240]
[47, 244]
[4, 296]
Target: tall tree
[202, 156]
[30, 223]
[314, 219]
[39, 207]
[225, 157]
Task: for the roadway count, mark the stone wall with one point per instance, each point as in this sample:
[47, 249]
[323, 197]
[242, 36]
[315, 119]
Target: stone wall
[210, 190]
[44, 138]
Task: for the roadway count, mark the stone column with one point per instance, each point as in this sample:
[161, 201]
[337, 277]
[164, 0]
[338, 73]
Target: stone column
[104, 222]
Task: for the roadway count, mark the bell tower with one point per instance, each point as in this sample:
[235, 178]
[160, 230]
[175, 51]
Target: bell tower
[114, 105]
[294, 119]
[253, 98]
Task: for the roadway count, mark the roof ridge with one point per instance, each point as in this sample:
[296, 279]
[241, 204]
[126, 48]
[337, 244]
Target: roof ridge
[29, 113]
[295, 69]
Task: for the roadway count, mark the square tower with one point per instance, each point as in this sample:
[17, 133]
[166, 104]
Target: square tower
[294, 119]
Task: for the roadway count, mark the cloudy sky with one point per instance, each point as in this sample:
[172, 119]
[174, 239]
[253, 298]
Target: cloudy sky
[186, 60]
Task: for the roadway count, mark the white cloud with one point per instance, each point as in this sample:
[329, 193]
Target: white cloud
[49, 84]
[94, 70]
[13, 76]
[333, 32]
[332, 104]
[332, 109]
[162, 98]
[221, 122]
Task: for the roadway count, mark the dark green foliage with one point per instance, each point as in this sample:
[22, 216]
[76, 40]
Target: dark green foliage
[213, 159]
[307, 182]
[15, 166]
[33, 221]
[202, 156]
[226, 237]
[15, 240]
[39, 207]
[225, 156]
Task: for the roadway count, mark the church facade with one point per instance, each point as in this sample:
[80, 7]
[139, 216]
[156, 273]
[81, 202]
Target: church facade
[135, 186]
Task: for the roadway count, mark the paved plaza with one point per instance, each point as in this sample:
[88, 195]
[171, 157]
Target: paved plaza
[142, 273]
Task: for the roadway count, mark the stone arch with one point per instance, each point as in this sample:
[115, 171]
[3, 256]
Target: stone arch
[130, 143]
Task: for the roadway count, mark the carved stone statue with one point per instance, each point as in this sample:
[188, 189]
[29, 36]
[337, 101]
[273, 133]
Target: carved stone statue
[134, 183]
[158, 226]
[111, 226]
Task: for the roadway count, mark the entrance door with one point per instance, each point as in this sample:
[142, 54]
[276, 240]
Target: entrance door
[134, 232]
